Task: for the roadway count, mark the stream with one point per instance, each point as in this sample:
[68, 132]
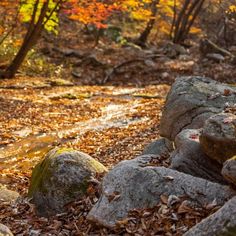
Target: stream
[91, 112]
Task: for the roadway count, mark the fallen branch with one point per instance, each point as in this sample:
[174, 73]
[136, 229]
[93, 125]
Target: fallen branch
[125, 63]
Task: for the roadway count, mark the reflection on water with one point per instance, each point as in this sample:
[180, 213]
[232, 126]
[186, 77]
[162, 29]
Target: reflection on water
[26, 153]
[23, 153]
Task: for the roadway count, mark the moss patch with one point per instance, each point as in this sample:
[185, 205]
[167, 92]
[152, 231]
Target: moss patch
[43, 171]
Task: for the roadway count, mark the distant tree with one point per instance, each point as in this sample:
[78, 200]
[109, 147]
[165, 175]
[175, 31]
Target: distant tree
[185, 19]
[144, 35]
[43, 14]
[38, 13]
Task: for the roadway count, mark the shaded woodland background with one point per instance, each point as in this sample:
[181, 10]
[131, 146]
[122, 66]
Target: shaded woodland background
[92, 42]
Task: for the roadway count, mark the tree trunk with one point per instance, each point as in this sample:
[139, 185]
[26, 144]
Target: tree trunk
[184, 21]
[180, 18]
[195, 14]
[174, 19]
[144, 35]
[30, 40]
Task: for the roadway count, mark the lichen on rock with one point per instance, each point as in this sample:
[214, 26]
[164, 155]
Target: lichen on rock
[60, 178]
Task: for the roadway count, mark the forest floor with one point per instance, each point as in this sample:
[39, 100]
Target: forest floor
[110, 108]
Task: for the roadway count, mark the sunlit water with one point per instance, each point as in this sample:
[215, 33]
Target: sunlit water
[27, 152]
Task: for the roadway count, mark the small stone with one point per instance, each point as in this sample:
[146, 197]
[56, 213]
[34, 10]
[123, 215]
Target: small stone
[215, 57]
[7, 195]
[190, 158]
[165, 75]
[5, 231]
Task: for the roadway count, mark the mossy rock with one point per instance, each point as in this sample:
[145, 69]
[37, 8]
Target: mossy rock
[60, 178]
[60, 82]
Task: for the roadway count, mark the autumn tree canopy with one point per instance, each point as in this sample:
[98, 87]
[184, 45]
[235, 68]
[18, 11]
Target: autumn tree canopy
[157, 19]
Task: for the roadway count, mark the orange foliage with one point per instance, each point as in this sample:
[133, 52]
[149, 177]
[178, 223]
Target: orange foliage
[93, 11]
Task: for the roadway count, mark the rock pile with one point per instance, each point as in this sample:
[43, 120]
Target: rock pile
[204, 136]
[199, 129]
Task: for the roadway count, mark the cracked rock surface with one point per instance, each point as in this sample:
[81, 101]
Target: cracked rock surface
[191, 101]
[136, 184]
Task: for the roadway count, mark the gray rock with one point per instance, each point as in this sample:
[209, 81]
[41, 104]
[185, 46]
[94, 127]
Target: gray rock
[218, 137]
[229, 170]
[137, 184]
[173, 50]
[190, 159]
[222, 222]
[161, 146]
[7, 195]
[60, 178]
[215, 57]
[5, 231]
[191, 101]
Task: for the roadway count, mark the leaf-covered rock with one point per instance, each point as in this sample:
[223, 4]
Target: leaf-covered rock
[138, 184]
[60, 178]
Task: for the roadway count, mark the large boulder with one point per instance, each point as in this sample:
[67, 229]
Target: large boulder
[5, 231]
[190, 159]
[222, 222]
[7, 195]
[161, 146]
[191, 101]
[60, 178]
[218, 137]
[229, 170]
[139, 183]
